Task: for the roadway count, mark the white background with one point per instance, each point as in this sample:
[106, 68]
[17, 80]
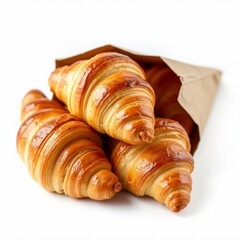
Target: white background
[34, 33]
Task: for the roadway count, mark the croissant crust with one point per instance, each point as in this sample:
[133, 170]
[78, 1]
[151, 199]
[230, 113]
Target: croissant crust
[110, 93]
[62, 153]
[166, 85]
[160, 169]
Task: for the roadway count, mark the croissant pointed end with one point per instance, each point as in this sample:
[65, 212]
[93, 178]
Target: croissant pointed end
[103, 185]
[52, 80]
[146, 136]
[178, 200]
[117, 187]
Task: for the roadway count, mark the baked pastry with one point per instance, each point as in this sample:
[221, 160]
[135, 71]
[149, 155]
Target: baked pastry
[160, 169]
[166, 85]
[62, 153]
[110, 93]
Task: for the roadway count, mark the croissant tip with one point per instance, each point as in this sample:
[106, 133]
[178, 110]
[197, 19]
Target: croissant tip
[179, 202]
[178, 208]
[146, 136]
[117, 187]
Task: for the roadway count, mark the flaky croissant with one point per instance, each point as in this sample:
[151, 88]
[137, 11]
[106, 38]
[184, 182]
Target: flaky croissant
[166, 85]
[63, 154]
[110, 93]
[160, 169]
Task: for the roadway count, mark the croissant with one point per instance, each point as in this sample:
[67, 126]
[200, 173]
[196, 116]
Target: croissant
[166, 85]
[110, 93]
[62, 153]
[160, 169]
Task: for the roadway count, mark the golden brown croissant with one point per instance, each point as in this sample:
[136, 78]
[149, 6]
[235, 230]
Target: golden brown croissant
[160, 169]
[110, 93]
[62, 153]
[166, 85]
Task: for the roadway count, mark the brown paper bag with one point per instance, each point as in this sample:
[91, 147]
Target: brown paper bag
[196, 95]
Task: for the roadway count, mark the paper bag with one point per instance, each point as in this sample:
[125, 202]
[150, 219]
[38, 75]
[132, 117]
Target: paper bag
[197, 92]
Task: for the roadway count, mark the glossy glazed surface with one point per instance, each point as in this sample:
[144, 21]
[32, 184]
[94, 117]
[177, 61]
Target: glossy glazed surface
[62, 153]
